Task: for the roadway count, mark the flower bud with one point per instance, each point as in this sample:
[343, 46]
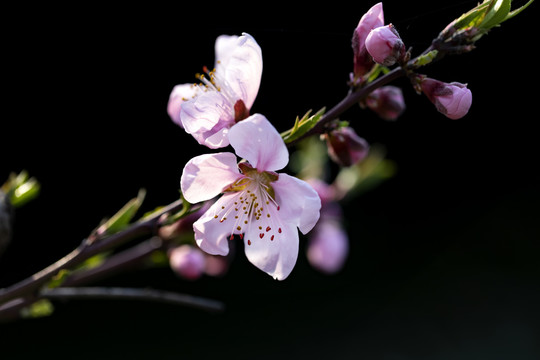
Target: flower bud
[187, 261]
[374, 18]
[451, 99]
[387, 102]
[385, 45]
[345, 147]
[328, 247]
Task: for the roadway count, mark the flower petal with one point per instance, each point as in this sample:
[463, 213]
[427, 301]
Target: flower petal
[242, 67]
[211, 234]
[179, 94]
[272, 246]
[257, 141]
[206, 176]
[298, 201]
[224, 47]
[204, 112]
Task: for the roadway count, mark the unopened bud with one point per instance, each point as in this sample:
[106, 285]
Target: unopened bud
[345, 147]
[387, 102]
[187, 261]
[451, 99]
[363, 62]
[385, 45]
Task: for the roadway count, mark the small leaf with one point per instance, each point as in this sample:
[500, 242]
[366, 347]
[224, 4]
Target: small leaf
[425, 59]
[38, 309]
[517, 11]
[123, 217]
[496, 13]
[302, 126]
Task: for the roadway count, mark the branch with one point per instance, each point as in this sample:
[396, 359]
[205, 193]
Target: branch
[68, 293]
[84, 251]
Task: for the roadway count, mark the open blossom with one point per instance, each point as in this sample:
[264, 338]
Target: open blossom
[451, 99]
[225, 94]
[363, 61]
[263, 207]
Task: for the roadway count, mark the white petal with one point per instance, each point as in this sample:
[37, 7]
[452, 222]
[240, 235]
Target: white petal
[257, 141]
[243, 69]
[179, 94]
[298, 201]
[205, 176]
[204, 112]
[272, 246]
[211, 234]
[224, 47]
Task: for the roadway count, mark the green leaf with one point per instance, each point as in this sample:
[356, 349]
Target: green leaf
[425, 59]
[496, 13]
[21, 188]
[517, 11]
[302, 126]
[40, 308]
[123, 217]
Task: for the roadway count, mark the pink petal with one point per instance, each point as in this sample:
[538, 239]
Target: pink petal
[205, 176]
[243, 68]
[328, 247]
[204, 112]
[179, 94]
[272, 246]
[298, 201]
[211, 233]
[257, 141]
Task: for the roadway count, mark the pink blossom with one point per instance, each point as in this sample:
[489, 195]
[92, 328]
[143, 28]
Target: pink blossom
[187, 261]
[225, 94]
[328, 247]
[451, 99]
[261, 206]
[385, 45]
[372, 19]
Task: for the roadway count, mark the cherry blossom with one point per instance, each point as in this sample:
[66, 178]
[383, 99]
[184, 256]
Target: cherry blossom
[224, 95]
[262, 207]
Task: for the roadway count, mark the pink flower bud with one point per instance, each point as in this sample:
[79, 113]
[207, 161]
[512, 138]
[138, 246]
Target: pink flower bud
[374, 18]
[345, 147]
[451, 99]
[187, 261]
[385, 45]
[387, 102]
[328, 247]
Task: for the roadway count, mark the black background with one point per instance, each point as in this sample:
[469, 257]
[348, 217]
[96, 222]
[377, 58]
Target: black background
[444, 256]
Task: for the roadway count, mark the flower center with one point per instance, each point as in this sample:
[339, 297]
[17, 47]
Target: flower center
[213, 81]
[251, 202]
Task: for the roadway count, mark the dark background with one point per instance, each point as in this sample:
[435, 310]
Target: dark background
[444, 256]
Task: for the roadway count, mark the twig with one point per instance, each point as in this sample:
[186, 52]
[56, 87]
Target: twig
[118, 293]
[84, 251]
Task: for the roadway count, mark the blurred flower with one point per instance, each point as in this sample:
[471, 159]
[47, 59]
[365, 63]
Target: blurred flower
[225, 95]
[385, 45]
[345, 147]
[451, 99]
[363, 61]
[187, 261]
[263, 207]
[387, 102]
[328, 243]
